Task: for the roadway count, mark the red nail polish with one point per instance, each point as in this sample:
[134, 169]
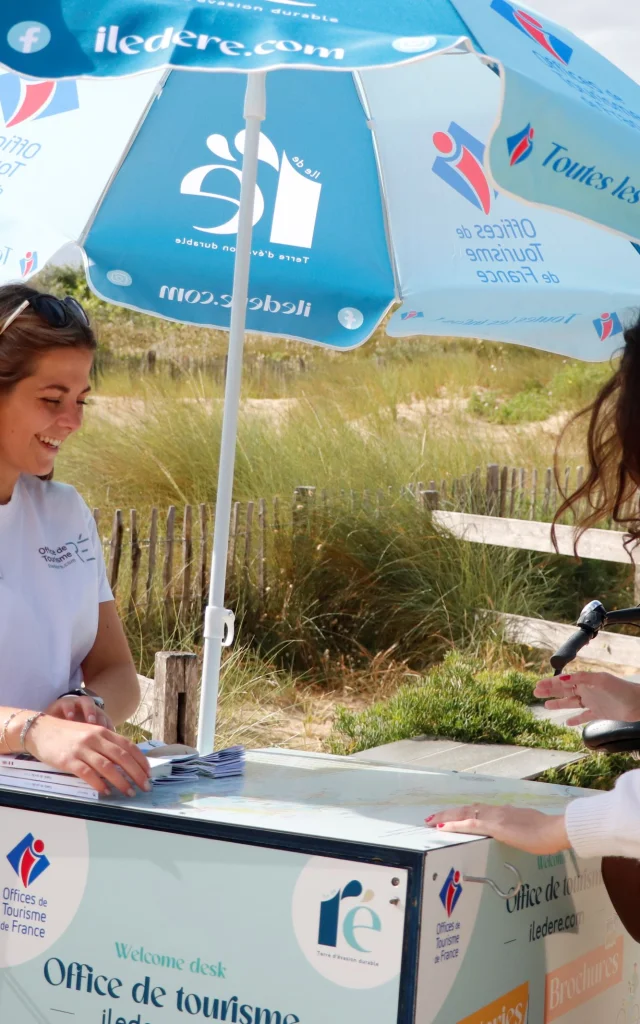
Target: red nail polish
[439, 826]
[565, 679]
[430, 818]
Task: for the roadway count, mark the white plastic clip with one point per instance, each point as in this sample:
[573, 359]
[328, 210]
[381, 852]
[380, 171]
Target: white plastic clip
[219, 624]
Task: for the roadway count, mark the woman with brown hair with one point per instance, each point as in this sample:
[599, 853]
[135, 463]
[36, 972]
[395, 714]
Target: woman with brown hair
[606, 825]
[58, 623]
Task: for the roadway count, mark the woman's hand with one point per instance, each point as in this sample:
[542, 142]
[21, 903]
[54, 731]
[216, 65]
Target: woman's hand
[531, 831]
[93, 753]
[79, 709]
[596, 695]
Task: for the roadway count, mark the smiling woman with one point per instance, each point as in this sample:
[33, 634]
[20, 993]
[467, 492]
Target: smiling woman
[58, 623]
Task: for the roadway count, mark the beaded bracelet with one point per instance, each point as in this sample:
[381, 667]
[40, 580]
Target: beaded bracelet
[5, 725]
[27, 725]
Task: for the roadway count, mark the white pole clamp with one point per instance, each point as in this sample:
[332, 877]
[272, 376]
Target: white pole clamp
[219, 624]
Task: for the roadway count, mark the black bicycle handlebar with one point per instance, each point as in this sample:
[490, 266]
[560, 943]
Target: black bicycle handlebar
[592, 619]
[569, 649]
[602, 737]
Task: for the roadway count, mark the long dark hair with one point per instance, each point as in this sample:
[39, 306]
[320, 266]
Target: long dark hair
[611, 484]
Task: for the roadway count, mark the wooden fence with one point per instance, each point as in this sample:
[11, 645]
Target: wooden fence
[171, 564]
[159, 559]
[257, 366]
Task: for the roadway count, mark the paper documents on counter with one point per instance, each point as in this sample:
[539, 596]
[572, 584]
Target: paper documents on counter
[177, 764]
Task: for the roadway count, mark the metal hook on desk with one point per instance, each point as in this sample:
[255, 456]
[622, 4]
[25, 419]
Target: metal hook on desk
[488, 881]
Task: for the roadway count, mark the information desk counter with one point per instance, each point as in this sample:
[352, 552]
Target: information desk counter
[306, 892]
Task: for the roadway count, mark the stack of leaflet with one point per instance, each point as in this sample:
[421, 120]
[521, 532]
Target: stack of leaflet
[168, 764]
[193, 766]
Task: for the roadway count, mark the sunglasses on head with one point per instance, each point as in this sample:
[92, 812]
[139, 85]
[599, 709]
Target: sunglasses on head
[55, 312]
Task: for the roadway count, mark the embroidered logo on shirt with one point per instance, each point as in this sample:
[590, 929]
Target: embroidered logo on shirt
[66, 554]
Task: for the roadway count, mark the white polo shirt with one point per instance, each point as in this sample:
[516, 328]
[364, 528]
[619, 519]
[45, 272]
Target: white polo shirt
[52, 579]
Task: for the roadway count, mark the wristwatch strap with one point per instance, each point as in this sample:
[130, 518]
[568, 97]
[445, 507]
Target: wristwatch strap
[84, 692]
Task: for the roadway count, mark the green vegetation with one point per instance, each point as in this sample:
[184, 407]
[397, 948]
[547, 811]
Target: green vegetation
[461, 701]
[526, 406]
[570, 387]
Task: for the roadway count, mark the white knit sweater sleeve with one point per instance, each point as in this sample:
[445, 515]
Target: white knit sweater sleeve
[607, 825]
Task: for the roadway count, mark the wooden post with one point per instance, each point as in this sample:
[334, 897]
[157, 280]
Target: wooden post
[430, 499]
[463, 492]
[512, 496]
[202, 559]
[553, 490]
[115, 549]
[493, 489]
[151, 570]
[136, 557]
[233, 539]
[534, 494]
[187, 560]
[167, 569]
[248, 542]
[296, 513]
[262, 551]
[175, 698]
[521, 491]
[504, 486]
[547, 492]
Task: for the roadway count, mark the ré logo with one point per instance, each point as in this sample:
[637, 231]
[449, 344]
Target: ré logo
[359, 918]
[297, 197]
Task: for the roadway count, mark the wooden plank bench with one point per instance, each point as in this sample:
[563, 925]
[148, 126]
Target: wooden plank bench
[499, 760]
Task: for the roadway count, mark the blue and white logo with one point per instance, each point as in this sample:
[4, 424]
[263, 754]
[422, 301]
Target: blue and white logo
[28, 36]
[350, 928]
[297, 197]
[28, 859]
[351, 318]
